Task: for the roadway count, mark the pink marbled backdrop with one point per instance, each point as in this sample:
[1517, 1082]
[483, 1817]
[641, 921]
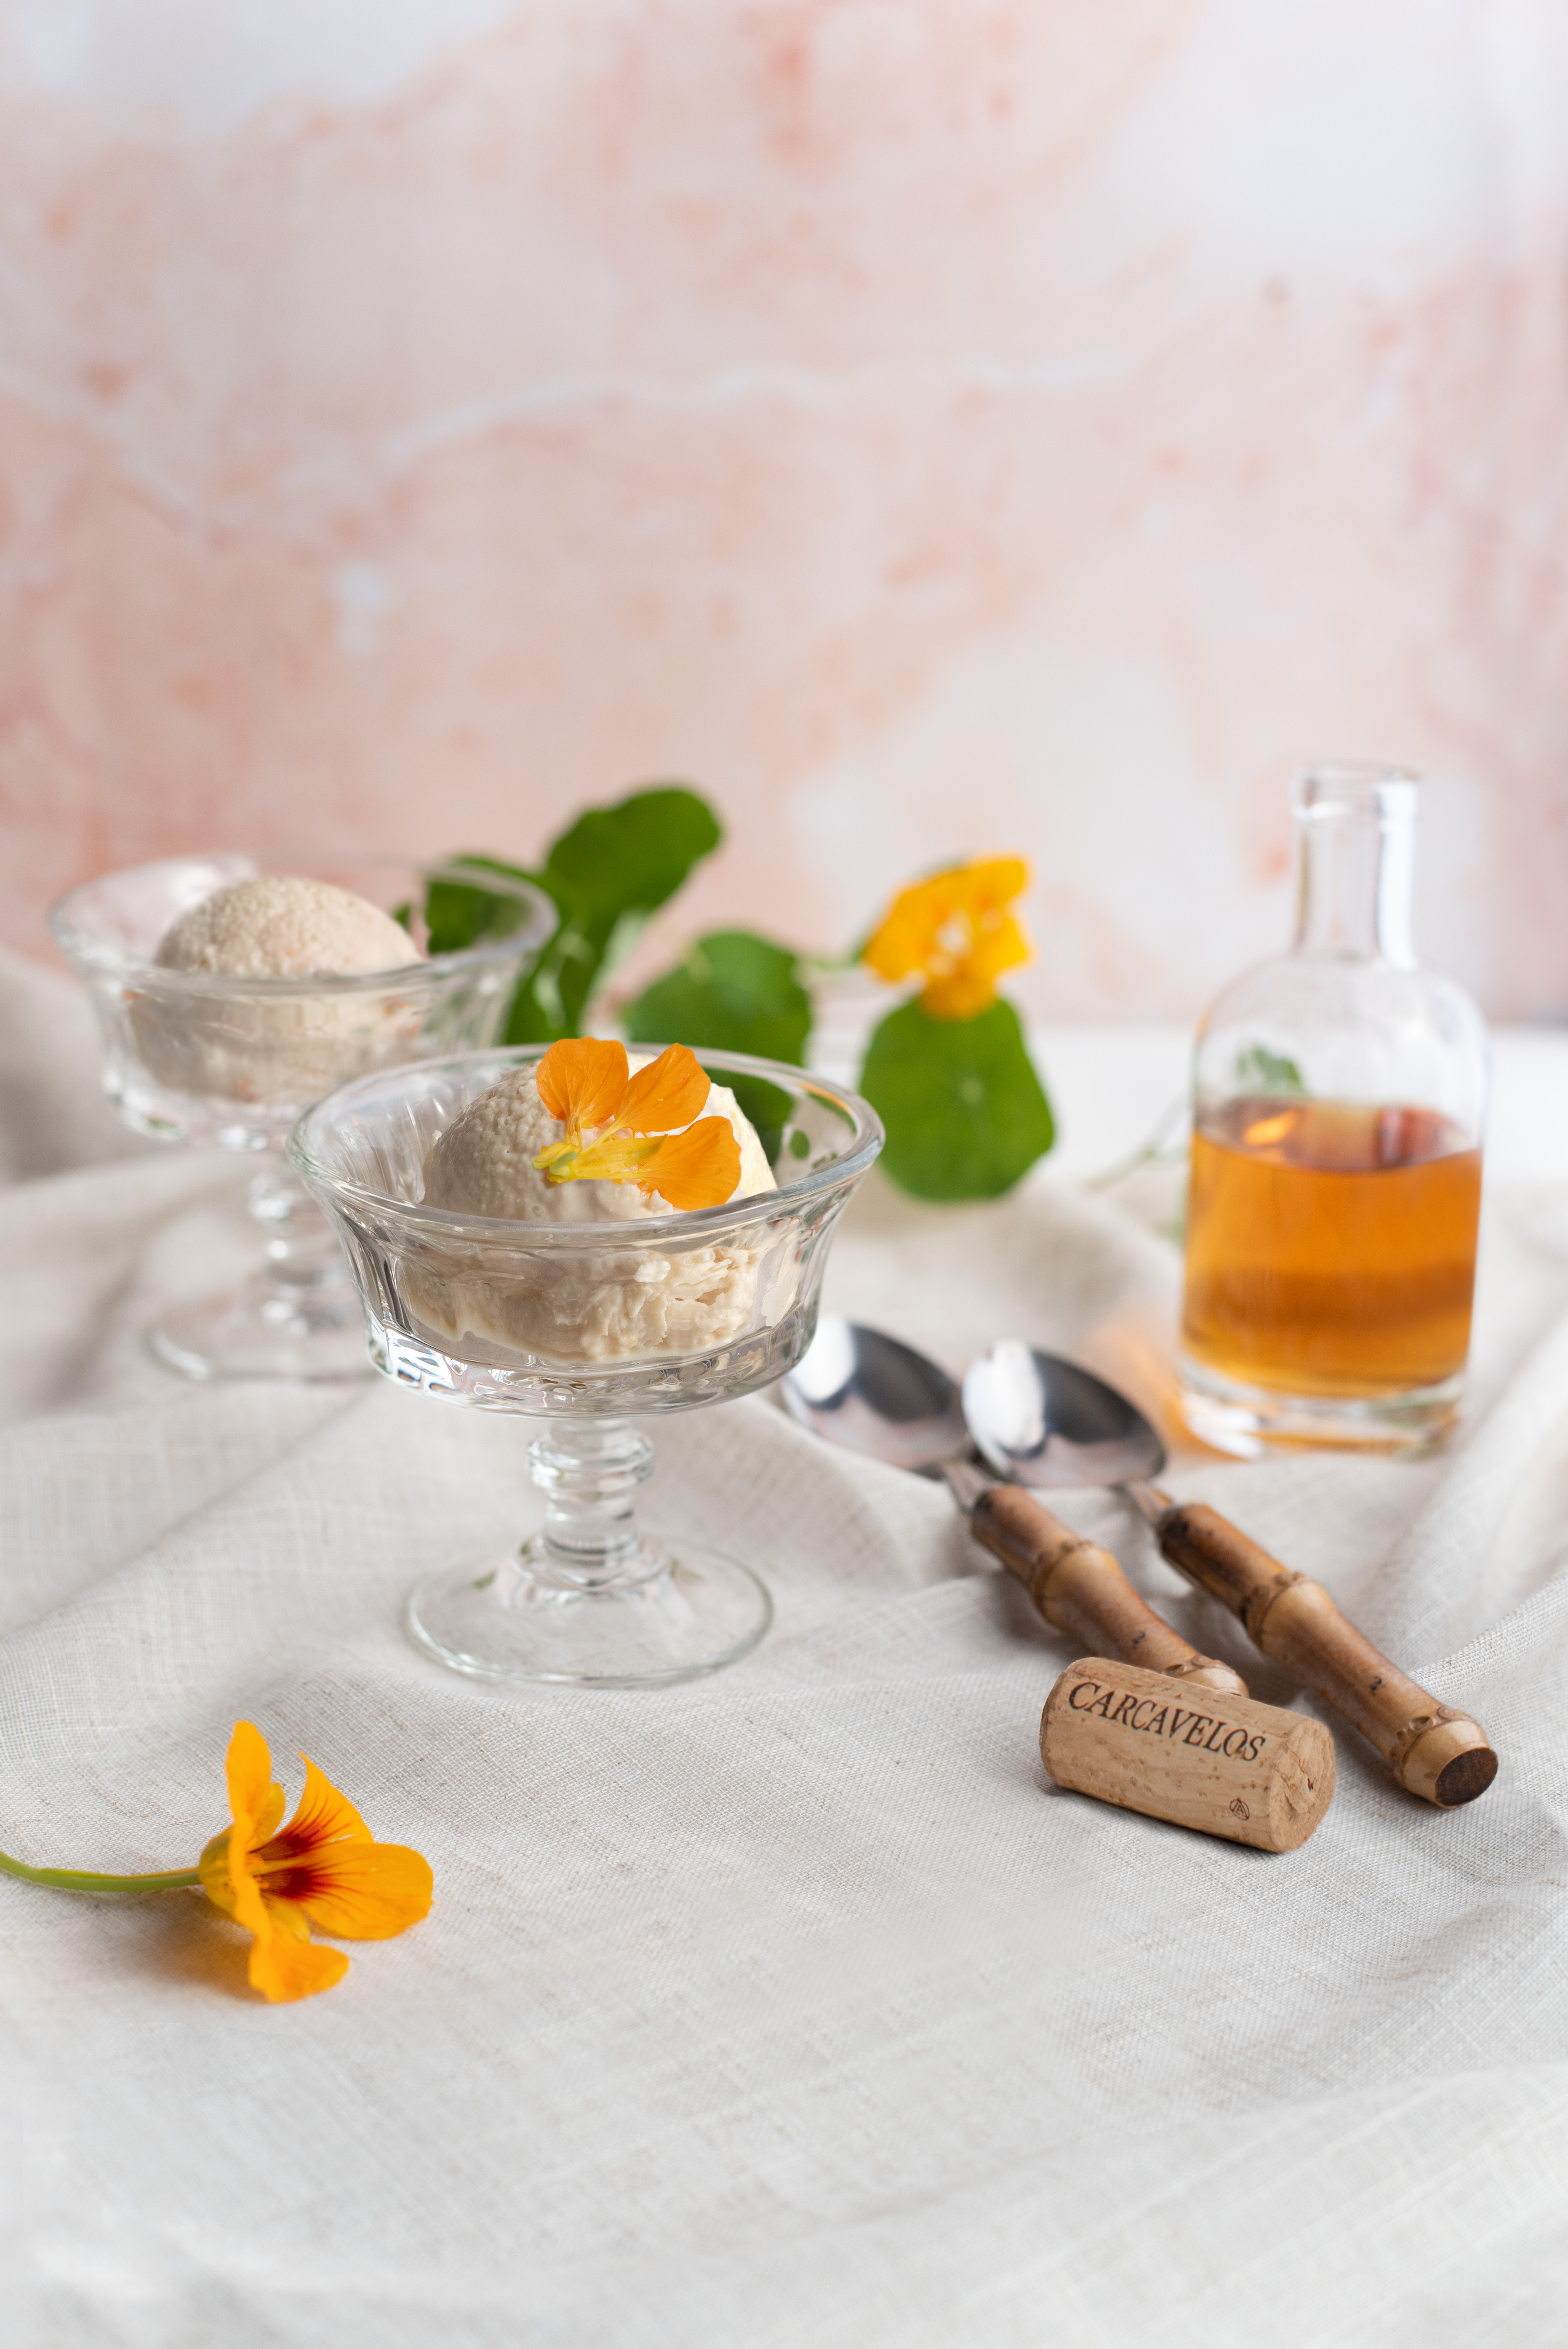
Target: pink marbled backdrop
[931, 425]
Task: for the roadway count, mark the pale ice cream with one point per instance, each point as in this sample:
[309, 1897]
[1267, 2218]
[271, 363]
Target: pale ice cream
[243, 1046]
[483, 1163]
[576, 1304]
[278, 927]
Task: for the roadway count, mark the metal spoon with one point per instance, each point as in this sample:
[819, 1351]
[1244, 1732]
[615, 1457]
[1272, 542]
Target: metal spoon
[1045, 1422]
[1038, 1419]
[871, 1393]
[868, 1392]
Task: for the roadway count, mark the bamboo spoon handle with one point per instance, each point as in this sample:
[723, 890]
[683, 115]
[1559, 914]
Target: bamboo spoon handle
[1080, 1589]
[1434, 1752]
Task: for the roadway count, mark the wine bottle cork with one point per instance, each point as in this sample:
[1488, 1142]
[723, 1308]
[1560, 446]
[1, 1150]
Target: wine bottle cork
[1080, 1588]
[1433, 1751]
[1200, 1758]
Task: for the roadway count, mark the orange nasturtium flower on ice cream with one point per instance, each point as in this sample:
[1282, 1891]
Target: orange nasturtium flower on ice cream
[322, 1868]
[955, 932]
[623, 1129]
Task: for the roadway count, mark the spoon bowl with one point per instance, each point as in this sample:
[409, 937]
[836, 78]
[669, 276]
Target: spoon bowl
[1031, 1419]
[867, 1392]
[1038, 1419]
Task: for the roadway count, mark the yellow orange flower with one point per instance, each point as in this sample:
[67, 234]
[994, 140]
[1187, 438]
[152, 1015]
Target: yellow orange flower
[323, 1869]
[954, 931]
[582, 1081]
[623, 1129]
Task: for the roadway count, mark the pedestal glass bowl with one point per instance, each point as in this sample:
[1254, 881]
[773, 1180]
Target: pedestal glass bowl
[230, 1063]
[589, 1328]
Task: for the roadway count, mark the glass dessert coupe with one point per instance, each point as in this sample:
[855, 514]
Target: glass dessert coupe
[521, 1316]
[230, 1064]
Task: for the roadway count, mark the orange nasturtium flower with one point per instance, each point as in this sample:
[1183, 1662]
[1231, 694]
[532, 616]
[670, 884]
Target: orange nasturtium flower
[323, 1867]
[623, 1129]
[955, 932]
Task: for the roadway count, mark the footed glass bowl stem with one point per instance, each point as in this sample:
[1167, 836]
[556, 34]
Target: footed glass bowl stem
[300, 1244]
[298, 1318]
[590, 1600]
[590, 1470]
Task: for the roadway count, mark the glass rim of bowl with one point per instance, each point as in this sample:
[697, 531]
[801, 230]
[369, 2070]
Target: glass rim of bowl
[525, 1237]
[99, 955]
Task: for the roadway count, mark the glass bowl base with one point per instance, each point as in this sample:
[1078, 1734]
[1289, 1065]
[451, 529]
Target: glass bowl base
[691, 1610]
[267, 1330]
[1248, 1422]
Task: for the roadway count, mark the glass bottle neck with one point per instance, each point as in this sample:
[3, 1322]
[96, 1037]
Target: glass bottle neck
[1355, 871]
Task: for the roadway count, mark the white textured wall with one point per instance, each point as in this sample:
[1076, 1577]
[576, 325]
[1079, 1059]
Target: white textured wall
[930, 425]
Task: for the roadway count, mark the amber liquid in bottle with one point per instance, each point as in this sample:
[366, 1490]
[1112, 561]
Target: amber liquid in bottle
[1331, 1247]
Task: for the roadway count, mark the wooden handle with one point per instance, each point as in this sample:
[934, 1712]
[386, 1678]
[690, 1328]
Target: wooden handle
[1080, 1589]
[1222, 1763]
[1434, 1752]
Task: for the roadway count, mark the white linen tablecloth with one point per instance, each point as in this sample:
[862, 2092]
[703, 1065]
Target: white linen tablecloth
[794, 2007]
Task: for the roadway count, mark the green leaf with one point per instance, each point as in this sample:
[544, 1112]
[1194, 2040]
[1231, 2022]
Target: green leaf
[607, 873]
[1260, 1071]
[457, 916]
[730, 992]
[965, 1115]
[634, 854]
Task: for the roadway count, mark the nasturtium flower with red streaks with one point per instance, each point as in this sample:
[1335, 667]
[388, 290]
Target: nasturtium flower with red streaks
[582, 1082]
[323, 1869]
[639, 1129]
[955, 932]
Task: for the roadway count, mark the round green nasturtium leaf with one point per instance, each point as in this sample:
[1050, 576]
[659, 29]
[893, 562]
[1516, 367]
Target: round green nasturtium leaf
[965, 1115]
[630, 857]
[607, 872]
[457, 916]
[731, 992]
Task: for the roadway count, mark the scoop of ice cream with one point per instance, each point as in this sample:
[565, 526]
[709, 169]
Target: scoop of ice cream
[280, 927]
[233, 1045]
[581, 1305]
[483, 1163]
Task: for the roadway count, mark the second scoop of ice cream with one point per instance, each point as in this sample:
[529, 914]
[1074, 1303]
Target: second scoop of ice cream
[284, 925]
[236, 1044]
[587, 1304]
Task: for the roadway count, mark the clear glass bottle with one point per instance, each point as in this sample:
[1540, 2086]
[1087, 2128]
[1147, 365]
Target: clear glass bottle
[1339, 1095]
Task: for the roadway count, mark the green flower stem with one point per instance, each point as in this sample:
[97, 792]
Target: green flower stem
[81, 1879]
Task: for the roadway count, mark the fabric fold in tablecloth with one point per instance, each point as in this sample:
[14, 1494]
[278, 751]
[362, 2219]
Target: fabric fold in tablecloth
[789, 2008]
